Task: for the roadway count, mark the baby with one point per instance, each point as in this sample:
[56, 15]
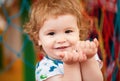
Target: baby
[59, 29]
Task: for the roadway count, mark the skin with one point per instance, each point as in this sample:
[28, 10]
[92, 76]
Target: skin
[59, 37]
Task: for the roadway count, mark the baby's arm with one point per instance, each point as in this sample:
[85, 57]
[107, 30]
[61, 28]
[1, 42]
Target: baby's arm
[71, 67]
[71, 73]
[90, 68]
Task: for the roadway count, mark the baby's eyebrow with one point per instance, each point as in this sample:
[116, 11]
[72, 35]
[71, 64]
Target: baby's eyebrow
[49, 30]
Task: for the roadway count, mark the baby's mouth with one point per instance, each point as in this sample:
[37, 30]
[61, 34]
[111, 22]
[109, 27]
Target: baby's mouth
[62, 47]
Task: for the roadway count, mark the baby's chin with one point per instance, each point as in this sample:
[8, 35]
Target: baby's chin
[56, 58]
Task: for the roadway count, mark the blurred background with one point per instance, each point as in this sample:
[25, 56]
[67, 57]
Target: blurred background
[18, 56]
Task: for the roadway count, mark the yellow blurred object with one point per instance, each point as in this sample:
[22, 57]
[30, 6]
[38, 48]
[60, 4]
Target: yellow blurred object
[15, 73]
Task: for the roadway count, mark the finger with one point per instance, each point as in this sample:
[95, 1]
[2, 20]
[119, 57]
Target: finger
[84, 57]
[87, 43]
[92, 45]
[80, 56]
[82, 45]
[75, 56]
[96, 42]
[77, 47]
[68, 56]
[65, 56]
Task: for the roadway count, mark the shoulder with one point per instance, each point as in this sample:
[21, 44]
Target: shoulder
[46, 68]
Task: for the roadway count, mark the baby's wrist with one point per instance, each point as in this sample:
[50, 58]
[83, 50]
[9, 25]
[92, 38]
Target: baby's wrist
[90, 56]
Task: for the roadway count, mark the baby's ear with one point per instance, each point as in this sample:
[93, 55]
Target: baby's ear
[39, 42]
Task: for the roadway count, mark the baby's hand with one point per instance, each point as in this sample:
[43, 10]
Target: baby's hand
[88, 47]
[82, 51]
[70, 57]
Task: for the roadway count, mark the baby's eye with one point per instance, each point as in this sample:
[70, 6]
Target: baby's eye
[51, 33]
[68, 31]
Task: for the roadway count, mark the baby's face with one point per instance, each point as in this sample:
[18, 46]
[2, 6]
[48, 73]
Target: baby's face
[58, 35]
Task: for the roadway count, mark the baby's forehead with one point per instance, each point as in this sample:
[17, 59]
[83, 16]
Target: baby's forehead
[57, 16]
[60, 23]
[42, 20]
[62, 18]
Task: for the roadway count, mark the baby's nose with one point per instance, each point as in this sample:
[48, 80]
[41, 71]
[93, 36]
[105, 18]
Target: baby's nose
[61, 39]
